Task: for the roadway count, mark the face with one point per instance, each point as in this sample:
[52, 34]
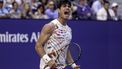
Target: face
[15, 6]
[26, 6]
[106, 5]
[115, 8]
[51, 5]
[102, 1]
[41, 9]
[1, 5]
[83, 2]
[65, 11]
[33, 1]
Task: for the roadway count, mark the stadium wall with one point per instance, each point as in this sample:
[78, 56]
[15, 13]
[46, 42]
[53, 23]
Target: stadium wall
[101, 43]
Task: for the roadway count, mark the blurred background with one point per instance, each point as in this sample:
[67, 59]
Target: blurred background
[96, 27]
[47, 9]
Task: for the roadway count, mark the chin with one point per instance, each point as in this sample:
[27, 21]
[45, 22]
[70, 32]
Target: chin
[66, 17]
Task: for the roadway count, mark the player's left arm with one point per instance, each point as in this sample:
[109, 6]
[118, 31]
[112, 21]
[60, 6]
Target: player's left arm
[70, 60]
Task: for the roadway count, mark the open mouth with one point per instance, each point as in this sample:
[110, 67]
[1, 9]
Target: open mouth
[66, 13]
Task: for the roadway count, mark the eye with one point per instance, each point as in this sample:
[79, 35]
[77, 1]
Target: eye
[64, 5]
[69, 6]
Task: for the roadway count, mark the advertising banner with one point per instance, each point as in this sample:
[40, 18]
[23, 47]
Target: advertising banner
[100, 41]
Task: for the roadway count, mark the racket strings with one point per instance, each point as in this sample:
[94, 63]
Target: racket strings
[75, 51]
[60, 51]
[57, 49]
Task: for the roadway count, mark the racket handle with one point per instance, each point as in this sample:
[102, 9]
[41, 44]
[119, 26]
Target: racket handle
[58, 65]
[47, 67]
[61, 65]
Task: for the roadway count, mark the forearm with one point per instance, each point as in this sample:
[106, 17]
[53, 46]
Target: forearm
[40, 50]
[69, 58]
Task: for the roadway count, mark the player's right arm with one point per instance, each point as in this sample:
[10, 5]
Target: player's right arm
[44, 36]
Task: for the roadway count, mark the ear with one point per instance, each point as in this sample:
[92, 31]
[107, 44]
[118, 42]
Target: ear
[58, 10]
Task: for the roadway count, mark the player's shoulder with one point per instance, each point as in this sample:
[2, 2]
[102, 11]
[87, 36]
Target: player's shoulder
[49, 26]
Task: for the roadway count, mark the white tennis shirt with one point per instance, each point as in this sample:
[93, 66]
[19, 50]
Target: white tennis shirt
[59, 39]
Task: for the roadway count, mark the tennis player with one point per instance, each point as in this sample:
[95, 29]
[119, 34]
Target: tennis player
[54, 36]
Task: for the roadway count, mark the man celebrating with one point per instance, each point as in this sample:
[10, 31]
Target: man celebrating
[53, 37]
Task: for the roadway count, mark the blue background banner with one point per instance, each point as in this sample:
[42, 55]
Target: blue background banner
[101, 43]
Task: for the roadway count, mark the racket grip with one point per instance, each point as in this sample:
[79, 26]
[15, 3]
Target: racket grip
[46, 58]
[53, 68]
[73, 65]
[47, 67]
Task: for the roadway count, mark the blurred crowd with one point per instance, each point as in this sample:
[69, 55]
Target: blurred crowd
[47, 9]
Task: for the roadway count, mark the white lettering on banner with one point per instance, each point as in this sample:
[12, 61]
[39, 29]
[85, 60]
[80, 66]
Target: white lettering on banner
[24, 38]
[2, 38]
[18, 37]
[13, 38]
[34, 37]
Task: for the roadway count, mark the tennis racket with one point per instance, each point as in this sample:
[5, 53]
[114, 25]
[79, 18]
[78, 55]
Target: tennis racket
[75, 51]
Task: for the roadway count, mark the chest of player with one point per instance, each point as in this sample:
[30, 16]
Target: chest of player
[62, 34]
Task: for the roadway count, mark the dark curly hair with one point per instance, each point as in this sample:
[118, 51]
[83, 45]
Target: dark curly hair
[63, 2]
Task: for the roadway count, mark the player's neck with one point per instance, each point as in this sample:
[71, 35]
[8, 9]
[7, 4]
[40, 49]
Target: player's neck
[62, 21]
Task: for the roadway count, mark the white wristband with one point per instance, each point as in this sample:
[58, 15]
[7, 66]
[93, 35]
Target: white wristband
[73, 65]
[46, 58]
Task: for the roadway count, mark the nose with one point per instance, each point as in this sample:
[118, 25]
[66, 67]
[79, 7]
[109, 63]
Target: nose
[67, 7]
